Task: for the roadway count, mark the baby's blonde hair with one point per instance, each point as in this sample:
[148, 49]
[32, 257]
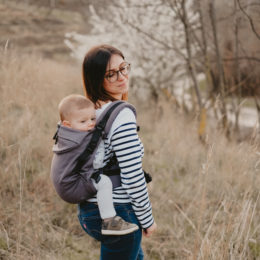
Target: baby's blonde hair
[71, 103]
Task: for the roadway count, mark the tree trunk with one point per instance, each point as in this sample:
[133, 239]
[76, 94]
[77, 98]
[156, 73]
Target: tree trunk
[220, 67]
[237, 76]
[257, 104]
[190, 65]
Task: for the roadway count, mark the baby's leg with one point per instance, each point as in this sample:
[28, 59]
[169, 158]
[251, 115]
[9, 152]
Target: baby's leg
[111, 224]
[104, 197]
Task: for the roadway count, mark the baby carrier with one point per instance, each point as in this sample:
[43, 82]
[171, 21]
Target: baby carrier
[74, 153]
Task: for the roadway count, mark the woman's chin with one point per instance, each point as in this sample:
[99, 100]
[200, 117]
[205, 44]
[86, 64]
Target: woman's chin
[123, 88]
[119, 91]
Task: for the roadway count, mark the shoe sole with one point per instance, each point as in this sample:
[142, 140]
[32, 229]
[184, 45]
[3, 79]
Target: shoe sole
[119, 232]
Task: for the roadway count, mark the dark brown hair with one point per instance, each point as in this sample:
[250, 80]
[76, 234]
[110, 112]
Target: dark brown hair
[93, 71]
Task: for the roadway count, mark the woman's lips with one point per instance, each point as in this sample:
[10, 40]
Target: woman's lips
[122, 85]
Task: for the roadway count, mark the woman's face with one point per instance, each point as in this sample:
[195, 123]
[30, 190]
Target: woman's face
[116, 77]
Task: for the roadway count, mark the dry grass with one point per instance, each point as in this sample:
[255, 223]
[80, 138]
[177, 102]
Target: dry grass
[209, 194]
[205, 199]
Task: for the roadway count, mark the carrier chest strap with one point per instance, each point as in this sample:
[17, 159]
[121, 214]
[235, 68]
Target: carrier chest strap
[97, 134]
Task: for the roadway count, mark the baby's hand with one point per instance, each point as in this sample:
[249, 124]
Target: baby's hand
[148, 232]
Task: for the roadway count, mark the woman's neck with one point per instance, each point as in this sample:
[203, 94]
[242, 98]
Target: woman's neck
[102, 102]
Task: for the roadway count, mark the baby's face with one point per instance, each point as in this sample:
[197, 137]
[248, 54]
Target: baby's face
[83, 119]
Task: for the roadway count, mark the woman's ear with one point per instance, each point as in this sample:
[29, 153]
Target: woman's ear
[66, 123]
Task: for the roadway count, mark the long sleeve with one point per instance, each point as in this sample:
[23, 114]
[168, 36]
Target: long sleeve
[129, 152]
[125, 143]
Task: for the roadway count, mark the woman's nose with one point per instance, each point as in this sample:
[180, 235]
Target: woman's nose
[120, 76]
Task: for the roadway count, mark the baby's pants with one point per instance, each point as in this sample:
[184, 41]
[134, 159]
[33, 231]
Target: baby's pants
[104, 197]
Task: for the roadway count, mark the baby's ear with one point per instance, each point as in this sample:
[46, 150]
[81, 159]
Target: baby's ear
[66, 123]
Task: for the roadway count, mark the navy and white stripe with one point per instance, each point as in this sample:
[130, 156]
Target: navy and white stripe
[125, 143]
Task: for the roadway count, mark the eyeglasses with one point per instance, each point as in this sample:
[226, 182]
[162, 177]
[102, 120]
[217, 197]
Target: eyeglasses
[112, 75]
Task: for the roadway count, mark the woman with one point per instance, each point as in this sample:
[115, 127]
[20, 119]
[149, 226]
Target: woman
[106, 76]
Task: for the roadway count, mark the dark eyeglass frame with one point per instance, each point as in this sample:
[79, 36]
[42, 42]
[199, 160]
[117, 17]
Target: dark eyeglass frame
[124, 65]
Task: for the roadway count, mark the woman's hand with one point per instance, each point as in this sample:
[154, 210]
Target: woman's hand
[148, 232]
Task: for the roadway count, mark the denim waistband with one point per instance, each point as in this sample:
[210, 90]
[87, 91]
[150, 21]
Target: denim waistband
[95, 203]
[92, 205]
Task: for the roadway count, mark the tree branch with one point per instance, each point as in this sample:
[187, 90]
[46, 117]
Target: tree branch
[249, 18]
[242, 58]
[163, 43]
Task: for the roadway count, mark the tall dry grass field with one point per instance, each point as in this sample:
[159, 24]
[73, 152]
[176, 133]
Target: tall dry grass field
[205, 198]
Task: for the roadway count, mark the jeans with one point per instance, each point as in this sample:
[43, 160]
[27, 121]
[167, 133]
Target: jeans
[125, 247]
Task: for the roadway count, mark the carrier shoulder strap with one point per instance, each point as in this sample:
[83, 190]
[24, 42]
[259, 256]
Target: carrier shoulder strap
[102, 128]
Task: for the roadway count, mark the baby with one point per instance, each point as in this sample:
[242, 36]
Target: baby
[78, 112]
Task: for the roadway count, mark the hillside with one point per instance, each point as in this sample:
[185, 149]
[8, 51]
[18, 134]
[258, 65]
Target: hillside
[40, 28]
[205, 197]
[210, 193]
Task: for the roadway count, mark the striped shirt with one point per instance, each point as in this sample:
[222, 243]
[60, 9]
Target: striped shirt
[128, 148]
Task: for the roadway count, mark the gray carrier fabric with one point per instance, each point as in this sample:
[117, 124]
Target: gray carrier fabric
[75, 186]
